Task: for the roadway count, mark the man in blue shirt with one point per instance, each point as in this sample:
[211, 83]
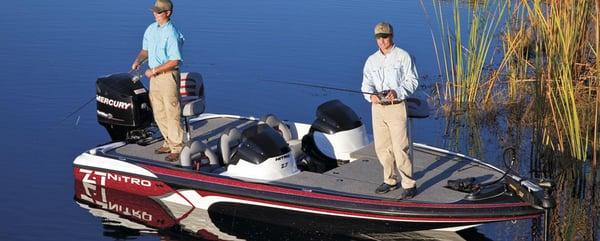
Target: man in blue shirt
[162, 48]
[390, 72]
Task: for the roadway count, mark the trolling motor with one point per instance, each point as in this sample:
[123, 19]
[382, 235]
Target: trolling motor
[539, 195]
[123, 106]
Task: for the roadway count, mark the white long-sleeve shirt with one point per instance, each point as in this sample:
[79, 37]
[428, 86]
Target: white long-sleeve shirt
[393, 71]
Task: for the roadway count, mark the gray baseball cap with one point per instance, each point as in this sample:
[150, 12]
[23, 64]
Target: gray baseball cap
[162, 5]
[383, 29]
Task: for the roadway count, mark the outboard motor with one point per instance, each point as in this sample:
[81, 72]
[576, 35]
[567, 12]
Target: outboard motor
[336, 132]
[263, 155]
[122, 105]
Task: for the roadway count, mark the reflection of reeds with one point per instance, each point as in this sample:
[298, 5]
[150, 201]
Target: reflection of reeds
[575, 213]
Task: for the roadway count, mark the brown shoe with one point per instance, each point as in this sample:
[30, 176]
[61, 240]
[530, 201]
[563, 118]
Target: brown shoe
[173, 157]
[162, 150]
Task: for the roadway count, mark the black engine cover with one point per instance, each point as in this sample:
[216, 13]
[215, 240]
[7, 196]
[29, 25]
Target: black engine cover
[122, 104]
[334, 116]
[259, 143]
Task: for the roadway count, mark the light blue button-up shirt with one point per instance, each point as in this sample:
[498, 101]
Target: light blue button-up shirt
[393, 71]
[162, 43]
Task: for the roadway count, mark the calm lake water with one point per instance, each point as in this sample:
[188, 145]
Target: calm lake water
[53, 51]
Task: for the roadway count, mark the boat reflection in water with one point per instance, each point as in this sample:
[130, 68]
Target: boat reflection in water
[144, 214]
[128, 216]
[125, 216]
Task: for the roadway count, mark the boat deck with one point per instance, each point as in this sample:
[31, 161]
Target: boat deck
[431, 169]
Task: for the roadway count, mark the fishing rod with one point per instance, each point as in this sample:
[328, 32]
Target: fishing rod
[381, 94]
[136, 77]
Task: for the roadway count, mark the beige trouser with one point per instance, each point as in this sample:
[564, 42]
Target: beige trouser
[164, 97]
[391, 143]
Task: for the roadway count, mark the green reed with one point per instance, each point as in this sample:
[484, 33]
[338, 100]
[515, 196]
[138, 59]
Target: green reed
[464, 60]
[549, 65]
[563, 48]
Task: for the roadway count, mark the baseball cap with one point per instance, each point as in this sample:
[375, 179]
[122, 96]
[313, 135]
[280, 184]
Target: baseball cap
[162, 5]
[383, 29]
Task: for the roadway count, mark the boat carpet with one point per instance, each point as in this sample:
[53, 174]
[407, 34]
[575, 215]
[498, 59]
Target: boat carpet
[432, 170]
[208, 131]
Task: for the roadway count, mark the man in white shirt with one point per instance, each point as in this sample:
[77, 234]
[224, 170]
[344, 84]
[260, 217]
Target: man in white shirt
[391, 74]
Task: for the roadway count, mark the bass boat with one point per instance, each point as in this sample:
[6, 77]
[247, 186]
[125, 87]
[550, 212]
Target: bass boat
[316, 176]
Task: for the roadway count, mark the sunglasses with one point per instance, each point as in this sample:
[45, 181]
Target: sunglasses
[382, 36]
[161, 12]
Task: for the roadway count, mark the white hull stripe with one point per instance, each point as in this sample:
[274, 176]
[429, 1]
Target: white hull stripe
[94, 161]
[205, 202]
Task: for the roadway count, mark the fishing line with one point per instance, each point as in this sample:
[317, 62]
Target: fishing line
[322, 87]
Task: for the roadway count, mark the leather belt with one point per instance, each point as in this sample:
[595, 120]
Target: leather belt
[393, 102]
[168, 71]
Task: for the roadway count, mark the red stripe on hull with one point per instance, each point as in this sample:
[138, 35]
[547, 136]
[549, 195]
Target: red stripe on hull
[270, 188]
[373, 216]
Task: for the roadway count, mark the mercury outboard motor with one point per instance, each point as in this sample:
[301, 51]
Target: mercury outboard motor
[336, 132]
[122, 105]
[263, 154]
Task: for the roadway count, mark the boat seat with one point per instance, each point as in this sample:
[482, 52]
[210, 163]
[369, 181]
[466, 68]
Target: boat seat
[294, 144]
[198, 155]
[278, 125]
[191, 92]
[229, 140]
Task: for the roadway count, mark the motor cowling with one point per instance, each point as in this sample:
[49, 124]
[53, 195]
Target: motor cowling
[336, 132]
[122, 105]
[262, 155]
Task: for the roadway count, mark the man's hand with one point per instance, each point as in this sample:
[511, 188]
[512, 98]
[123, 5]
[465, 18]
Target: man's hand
[141, 58]
[135, 65]
[150, 73]
[391, 95]
[375, 99]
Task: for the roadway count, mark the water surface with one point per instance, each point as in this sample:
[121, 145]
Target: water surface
[53, 51]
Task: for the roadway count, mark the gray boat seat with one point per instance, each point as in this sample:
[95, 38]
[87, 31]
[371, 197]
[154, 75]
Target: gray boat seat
[278, 125]
[193, 108]
[191, 92]
[229, 140]
[199, 154]
[294, 144]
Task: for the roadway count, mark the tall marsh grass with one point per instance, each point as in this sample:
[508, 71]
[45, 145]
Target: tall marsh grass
[463, 59]
[566, 91]
[549, 63]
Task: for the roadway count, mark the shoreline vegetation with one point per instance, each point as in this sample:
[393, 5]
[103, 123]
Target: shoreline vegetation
[535, 59]
[528, 71]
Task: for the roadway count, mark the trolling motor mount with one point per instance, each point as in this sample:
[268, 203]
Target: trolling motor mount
[548, 201]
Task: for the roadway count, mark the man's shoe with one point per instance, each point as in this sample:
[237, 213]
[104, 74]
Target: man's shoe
[384, 188]
[408, 193]
[162, 150]
[173, 157]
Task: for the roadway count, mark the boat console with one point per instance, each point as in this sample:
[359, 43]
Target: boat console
[262, 154]
[336, 132]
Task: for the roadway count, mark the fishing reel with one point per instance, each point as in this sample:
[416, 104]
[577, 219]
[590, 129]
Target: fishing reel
[142, 137]
[382, 94]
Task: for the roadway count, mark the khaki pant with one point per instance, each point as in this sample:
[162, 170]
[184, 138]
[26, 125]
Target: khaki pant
[164, 98]
[391, 143]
